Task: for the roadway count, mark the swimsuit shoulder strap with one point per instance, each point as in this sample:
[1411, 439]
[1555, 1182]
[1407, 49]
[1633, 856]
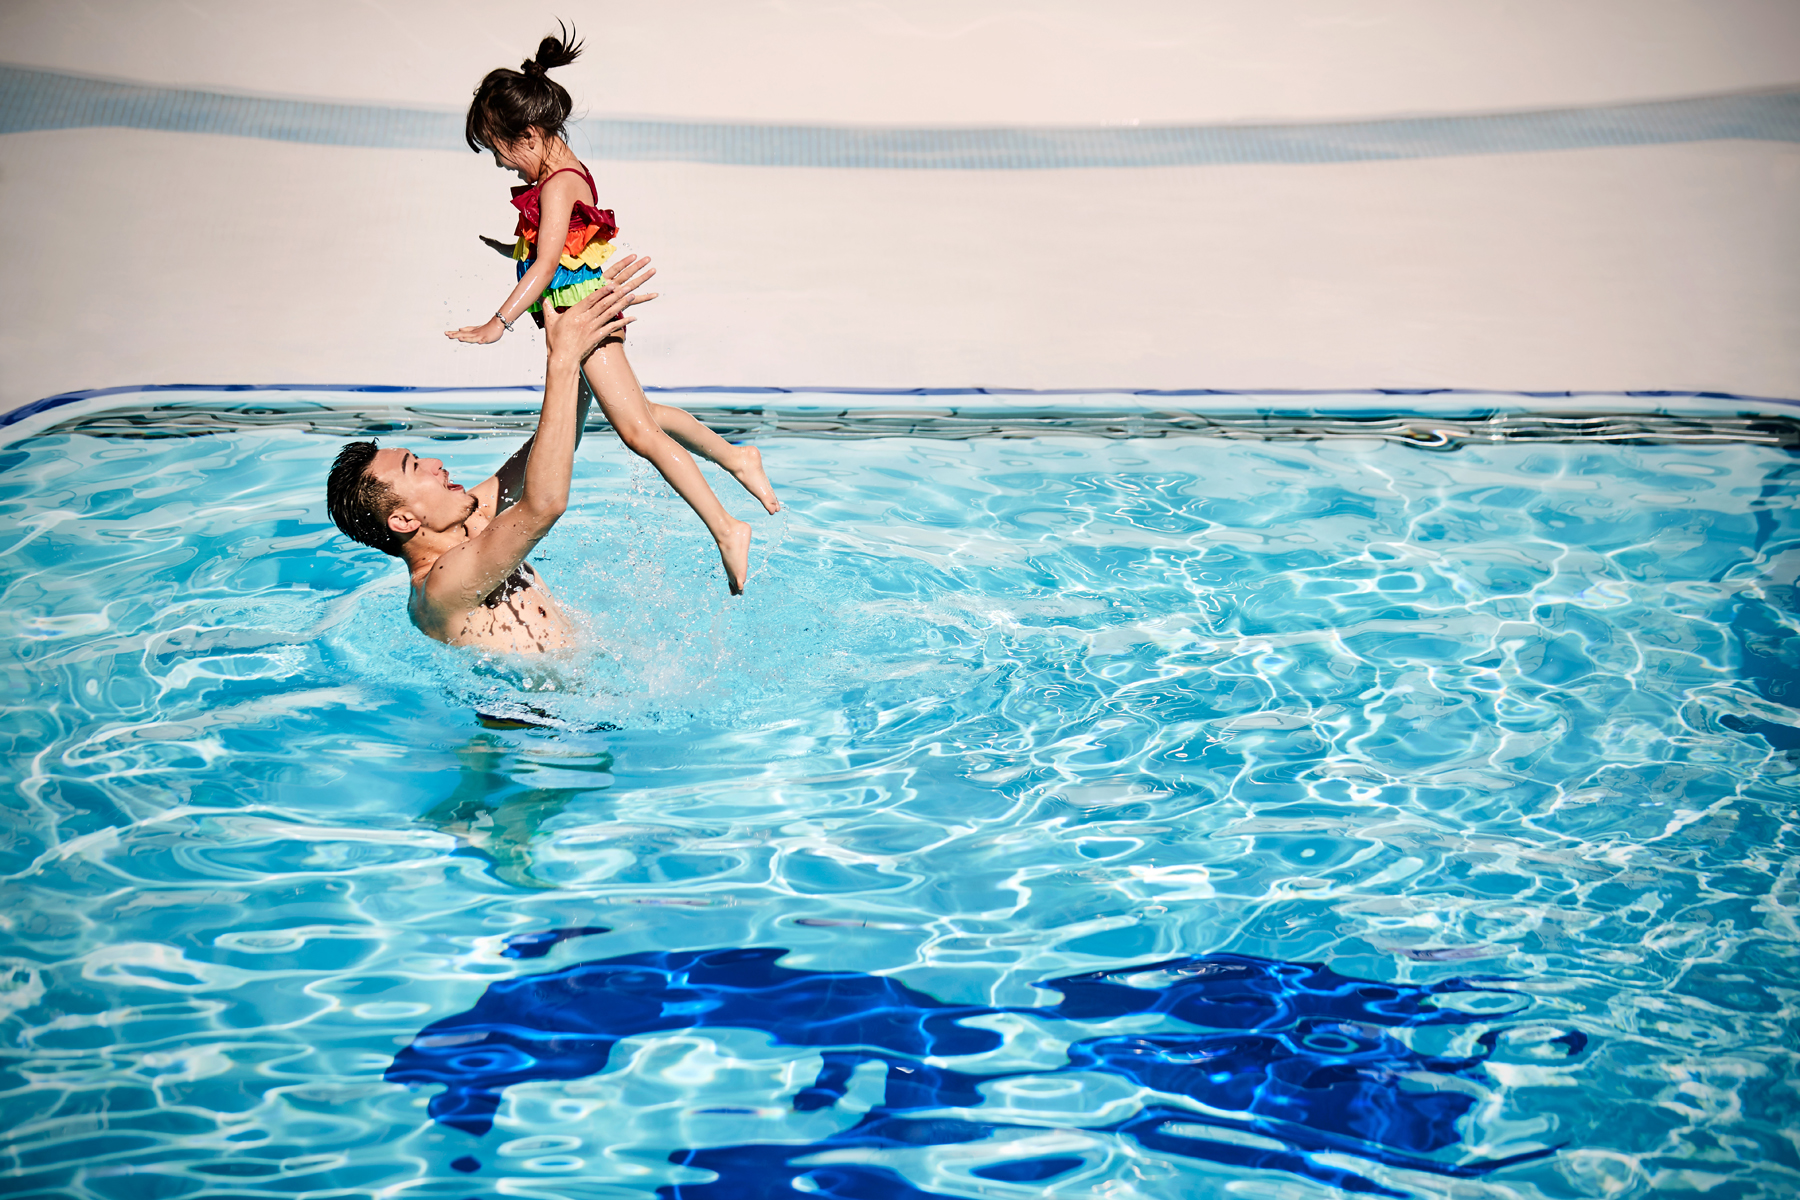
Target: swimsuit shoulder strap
[592, 191]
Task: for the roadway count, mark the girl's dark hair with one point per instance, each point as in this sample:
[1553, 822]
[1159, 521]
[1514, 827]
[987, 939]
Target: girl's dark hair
[508, 103]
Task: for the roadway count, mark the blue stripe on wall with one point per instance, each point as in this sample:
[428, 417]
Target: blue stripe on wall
[37, 100]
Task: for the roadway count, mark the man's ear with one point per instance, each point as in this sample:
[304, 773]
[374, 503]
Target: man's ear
[401, 520]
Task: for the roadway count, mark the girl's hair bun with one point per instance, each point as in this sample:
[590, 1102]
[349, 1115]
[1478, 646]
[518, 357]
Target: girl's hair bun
[554, 52]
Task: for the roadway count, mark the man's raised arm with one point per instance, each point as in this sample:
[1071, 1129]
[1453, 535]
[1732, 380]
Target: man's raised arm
[503, 488]
[463, 576]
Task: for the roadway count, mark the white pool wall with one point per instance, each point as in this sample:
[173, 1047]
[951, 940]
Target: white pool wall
[240, 260]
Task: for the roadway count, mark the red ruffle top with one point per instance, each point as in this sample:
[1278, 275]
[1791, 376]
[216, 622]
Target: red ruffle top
[587, 224]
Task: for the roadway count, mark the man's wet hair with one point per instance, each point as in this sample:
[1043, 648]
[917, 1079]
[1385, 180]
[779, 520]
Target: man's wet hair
[359, 502]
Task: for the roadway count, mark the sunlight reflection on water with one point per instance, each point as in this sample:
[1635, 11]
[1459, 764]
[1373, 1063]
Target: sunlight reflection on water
[992, 712]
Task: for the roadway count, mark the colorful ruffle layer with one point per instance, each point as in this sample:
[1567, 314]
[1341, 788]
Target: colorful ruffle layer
[592, 254]
[585, 221]
[567, 286]
[565, 276]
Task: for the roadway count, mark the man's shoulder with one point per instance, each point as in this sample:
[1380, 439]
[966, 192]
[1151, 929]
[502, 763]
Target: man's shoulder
[428, 612]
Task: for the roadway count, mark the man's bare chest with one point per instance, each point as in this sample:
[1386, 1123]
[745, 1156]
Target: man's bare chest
[520, 615]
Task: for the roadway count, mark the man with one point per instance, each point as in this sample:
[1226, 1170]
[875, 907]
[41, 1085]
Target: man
[465, 549]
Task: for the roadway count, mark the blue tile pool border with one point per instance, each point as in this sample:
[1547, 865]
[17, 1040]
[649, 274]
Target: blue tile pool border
[34, 100]
[1438, 418]
[1048, 397]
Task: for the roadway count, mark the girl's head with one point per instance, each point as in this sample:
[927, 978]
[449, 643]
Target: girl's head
[510, 105]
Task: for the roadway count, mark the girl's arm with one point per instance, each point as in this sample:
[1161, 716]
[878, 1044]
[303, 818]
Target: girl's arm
[554, 207]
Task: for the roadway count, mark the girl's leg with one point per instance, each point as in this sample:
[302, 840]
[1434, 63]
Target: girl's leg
[622, 400]
[744, 462]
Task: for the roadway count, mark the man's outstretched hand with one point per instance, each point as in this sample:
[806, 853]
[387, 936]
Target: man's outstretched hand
[599, 315]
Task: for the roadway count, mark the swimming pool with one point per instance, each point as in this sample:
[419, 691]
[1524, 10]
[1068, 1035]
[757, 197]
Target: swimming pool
[1056, 765]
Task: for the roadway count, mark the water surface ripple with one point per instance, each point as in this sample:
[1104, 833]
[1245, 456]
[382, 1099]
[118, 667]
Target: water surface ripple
[1513, 719]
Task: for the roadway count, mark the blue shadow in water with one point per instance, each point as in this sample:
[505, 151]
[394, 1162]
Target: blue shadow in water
[1294, 1053]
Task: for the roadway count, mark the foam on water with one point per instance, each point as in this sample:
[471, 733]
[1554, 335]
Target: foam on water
[993, 713]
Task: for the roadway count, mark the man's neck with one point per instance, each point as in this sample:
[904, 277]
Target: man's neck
[426, 546]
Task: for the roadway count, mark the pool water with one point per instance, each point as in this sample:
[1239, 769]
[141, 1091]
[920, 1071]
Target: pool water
[1062, 816]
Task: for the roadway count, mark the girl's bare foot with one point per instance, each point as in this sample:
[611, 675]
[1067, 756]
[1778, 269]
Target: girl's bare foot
[734, 551]
[748, 470]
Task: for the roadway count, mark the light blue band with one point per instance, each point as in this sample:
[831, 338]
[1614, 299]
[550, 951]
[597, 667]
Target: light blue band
[37, 100]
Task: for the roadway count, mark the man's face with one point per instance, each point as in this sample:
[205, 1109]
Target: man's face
[428, 500]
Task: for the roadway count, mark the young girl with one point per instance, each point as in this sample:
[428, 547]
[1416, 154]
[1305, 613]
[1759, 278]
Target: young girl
[519, 116]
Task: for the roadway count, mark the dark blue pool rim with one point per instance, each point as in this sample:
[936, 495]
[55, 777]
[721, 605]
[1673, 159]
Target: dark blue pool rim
[1432, 419]
[1050, 395]
[32, 100]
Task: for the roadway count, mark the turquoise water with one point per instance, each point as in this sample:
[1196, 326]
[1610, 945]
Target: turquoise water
[992, 713]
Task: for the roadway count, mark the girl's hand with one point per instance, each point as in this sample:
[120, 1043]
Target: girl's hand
[479, 335]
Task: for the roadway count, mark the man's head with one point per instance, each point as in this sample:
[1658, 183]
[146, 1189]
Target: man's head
[381, 497]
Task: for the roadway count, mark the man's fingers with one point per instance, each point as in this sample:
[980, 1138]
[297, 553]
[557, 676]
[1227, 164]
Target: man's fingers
[598, 315]
[624, 302]
[591, 301]
[638, 277]
[625, 287]
[617, 296]
[623, 265]
[600, 335]
[629, 272]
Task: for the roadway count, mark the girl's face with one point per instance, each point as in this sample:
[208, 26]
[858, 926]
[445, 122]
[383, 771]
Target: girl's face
[524, 157]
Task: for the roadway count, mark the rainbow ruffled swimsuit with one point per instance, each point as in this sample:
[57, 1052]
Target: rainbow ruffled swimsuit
[584, 251]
